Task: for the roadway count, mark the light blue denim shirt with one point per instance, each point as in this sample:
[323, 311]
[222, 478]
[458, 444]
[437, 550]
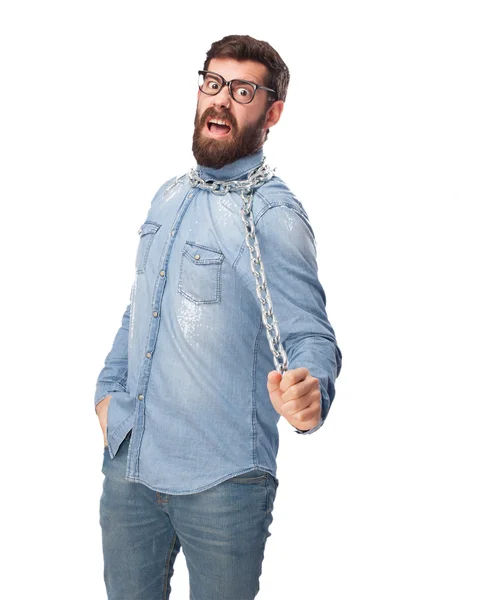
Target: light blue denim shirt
[188, 367]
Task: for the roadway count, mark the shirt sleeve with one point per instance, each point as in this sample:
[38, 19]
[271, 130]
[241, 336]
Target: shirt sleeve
[288, 252]
[113, 376]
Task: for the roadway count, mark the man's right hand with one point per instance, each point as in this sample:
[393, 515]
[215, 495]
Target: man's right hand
[102, 412]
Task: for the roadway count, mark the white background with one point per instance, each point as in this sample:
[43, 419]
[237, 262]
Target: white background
[379, 140]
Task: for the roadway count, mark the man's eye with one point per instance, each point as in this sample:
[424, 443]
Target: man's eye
[243, 92]
[212, 84]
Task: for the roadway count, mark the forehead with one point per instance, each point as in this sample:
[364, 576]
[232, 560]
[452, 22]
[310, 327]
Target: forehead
[239, 69]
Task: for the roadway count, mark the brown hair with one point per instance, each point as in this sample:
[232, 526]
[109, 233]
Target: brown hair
[245, 47]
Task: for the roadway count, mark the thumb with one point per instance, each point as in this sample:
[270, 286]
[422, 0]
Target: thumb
[274, 379]
[275, 392]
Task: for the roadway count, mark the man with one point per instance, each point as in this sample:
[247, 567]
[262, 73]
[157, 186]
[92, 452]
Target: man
[189, 396]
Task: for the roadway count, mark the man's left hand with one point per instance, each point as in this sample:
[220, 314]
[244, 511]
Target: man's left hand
[296, 395]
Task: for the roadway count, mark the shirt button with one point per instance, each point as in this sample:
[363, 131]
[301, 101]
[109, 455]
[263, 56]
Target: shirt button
[172, 233]
[140, 397]
[155, 313]
[148, 355]
[162, 273]
[197, 256]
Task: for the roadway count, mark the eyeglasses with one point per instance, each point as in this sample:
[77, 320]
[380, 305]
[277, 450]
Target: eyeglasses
[240, 90]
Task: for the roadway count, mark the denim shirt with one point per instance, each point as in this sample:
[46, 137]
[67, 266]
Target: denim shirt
[188, 368]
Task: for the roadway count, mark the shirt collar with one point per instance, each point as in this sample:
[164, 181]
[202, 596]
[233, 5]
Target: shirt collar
[236, 170]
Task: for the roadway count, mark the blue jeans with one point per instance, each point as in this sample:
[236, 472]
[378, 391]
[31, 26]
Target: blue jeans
[222, 530]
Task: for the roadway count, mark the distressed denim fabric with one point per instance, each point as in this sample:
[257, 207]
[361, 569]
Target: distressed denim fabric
[188, 367]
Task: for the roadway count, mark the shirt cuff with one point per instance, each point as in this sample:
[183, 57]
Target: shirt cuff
[309, 431]
[102, 391]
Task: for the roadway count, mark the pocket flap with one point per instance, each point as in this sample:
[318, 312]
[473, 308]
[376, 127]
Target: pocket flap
[202, 254]
[148, 227]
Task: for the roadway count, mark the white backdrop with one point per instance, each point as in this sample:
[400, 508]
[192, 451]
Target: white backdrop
[98, 101]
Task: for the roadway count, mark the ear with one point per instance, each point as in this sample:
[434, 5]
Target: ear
[274, 113]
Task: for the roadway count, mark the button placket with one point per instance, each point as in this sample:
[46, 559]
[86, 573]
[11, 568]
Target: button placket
[146, 367]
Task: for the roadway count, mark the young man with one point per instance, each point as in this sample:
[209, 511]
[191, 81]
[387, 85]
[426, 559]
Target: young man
[195, 383]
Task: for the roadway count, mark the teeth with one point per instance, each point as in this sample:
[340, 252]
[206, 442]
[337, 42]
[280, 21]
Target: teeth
[218, 121]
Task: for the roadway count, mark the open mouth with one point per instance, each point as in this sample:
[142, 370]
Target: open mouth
[218, 127]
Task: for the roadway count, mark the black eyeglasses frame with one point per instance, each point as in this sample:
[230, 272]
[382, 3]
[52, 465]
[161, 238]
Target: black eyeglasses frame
[256, 86]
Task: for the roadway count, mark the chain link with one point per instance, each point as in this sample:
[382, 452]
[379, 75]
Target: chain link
[256, 178]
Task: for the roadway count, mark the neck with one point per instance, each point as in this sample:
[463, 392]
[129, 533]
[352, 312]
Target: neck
[236, 170]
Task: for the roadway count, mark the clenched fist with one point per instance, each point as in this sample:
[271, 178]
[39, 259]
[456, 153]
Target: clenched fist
[296, 395]
[102, 412]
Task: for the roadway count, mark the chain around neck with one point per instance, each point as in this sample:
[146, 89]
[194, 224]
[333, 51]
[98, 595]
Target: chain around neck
[256, 177]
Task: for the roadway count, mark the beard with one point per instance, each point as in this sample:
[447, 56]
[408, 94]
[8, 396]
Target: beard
[216, 153]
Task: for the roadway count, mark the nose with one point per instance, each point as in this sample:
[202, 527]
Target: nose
[223, 98]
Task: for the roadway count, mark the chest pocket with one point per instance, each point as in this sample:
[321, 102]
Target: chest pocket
[147, 235]
[200, 273]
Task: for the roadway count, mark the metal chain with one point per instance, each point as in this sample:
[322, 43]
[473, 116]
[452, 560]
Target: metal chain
[256, 178]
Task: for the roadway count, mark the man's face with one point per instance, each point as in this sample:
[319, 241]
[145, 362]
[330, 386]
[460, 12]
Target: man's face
[248, 122]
